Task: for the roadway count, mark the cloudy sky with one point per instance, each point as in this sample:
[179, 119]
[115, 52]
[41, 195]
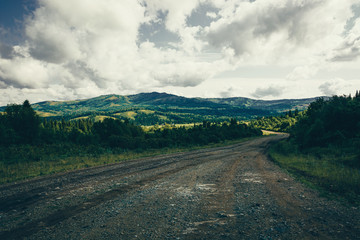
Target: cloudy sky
[263, 49]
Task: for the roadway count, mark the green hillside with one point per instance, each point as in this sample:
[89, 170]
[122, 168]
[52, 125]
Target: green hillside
[281, 105]
[157, 108]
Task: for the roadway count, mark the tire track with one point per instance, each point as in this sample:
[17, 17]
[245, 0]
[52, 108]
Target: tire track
[191, 159]
[231, 192]
[24, 199]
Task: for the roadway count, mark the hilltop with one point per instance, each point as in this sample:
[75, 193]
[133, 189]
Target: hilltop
[154, 107]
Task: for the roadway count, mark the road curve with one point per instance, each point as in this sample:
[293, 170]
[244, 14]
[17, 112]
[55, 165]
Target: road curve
[231, 192]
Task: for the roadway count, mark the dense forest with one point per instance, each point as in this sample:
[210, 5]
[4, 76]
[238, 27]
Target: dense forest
[335, 122]
[21, 125]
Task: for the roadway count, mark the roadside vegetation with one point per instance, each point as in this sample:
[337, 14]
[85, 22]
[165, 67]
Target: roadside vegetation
[324, 148]
[31, 146]
[281, 123]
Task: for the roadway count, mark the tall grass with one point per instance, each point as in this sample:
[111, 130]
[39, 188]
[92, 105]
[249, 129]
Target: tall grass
[333, 170]
[23, 162]
[26, 169]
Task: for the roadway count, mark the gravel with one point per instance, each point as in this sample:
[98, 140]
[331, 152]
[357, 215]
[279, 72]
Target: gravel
[231, 192]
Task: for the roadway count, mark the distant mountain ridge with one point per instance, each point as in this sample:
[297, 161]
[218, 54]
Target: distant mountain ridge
[155, 107]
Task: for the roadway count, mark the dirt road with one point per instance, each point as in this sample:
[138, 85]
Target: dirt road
[231, 192]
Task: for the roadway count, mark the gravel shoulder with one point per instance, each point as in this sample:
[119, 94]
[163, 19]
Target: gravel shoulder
[231, 192]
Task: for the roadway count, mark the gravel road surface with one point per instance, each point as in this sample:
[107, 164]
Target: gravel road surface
[231, 192]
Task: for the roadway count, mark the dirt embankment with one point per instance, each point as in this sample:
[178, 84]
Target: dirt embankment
[231, 192]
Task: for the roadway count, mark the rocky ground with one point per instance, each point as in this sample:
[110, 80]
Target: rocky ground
[231, 192]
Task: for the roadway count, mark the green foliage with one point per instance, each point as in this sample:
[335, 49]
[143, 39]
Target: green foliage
[160, 108]
[147, 119]
[282, 123]
[32, 147]
[332, 122]
[19, 124]
[29, 141]
[201, 134]
[115, 133]
[324, 148]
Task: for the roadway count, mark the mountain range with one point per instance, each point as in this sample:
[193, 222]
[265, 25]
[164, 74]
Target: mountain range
[154, 107]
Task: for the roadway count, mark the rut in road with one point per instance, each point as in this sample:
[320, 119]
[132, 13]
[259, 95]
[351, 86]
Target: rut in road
[64, 214]
[231, 192]
[25, 198]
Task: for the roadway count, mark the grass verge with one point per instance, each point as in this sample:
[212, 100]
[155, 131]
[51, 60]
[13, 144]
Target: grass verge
[23, 162]
[328, 170]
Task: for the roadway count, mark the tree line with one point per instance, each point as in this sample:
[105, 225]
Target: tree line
[324, 147]
[20, 125]
[335, 122]
[281, 123]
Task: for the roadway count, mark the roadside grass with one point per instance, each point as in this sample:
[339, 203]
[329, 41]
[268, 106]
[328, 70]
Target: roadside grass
[332, 171]
[24, 162]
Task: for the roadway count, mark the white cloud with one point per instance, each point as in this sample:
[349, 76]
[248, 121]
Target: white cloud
[23, 73]
[211, 15]
[303, 72]
[176, 16]
[60, 31]
[94, 45]
[280, 30]
[86, 48]
[177, 11]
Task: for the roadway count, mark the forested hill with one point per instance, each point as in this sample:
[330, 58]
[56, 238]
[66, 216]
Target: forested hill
[152, 108]
[282, 105]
